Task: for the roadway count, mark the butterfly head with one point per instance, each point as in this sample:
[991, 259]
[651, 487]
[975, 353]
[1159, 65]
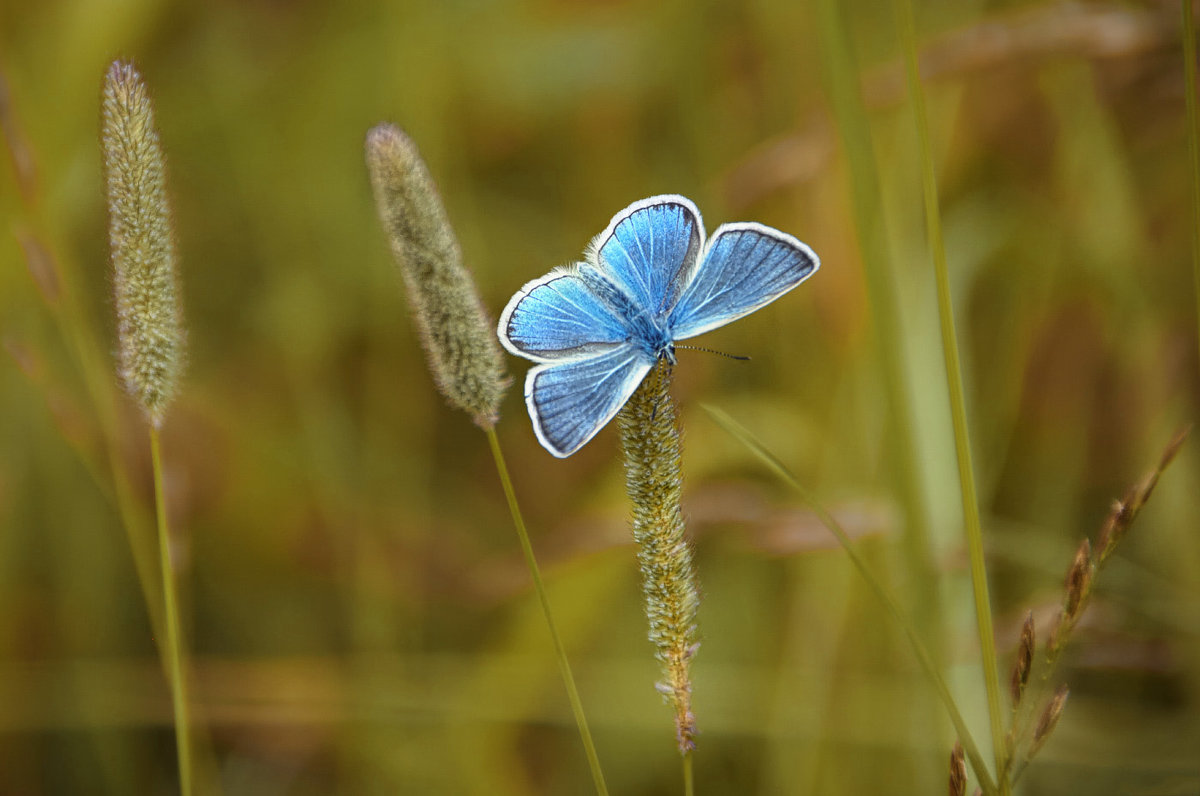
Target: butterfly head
[652, 335]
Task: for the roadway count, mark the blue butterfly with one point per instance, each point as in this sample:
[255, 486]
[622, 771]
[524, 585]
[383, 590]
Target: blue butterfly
[596, 328]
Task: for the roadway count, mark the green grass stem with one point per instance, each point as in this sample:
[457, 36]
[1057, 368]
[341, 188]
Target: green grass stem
[564, 665]
[175, 656]
[924, 658]
[65, 308]
[905, 464]
[1193, 134]
[689, 787]
[117, 489]
[958, 411]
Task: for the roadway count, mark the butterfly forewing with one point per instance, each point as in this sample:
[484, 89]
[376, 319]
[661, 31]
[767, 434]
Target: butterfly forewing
[570, 401]
[650, 248]
[744, 267]
[559, 316]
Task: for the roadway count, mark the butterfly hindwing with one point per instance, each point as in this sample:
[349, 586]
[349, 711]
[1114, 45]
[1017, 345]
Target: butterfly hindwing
[569, 401]
[650, 248]
[559, 316]
[744, 267]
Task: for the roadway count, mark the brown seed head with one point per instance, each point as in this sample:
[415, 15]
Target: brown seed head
[1123, 511]
[1024, 661]
[1049, 718]
[1079, 580]
[1111, 530]
[958, 771]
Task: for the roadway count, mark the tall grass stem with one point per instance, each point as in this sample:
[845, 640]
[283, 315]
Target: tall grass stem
[904, 460]
[689, 786]
[1193, 134]
[958, 411]
[175, 655]
[924, 658]
[564, 665]
[68, 314]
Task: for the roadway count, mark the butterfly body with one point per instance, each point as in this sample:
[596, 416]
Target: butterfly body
[596, 329]
[649, 331]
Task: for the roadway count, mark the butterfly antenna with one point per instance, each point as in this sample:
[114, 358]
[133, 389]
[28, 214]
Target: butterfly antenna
[714, 351]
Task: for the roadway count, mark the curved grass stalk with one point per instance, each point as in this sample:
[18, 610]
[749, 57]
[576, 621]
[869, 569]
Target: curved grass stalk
[56, 285]
[1189, 76]
[460, 345]
[924, 658]
[564, 665]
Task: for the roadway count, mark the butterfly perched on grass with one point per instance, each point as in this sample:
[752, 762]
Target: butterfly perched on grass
[596, 328]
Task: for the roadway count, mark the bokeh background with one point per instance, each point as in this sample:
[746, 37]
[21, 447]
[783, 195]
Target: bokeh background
[359, 615]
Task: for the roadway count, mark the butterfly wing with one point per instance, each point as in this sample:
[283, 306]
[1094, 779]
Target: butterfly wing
[571, 400]
[559, 316]
[650, 248]
[744, 267]
[572, 321]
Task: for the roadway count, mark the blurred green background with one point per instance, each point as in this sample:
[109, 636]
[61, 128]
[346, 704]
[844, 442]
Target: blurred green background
[358, 611]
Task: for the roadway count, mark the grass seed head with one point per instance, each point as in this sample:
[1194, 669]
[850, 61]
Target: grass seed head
[149, 323]
[1024, 661]
[458, 338]
[1079, 580]
[1123, 511]
[650, 440]
[1049, 718]
[958, 771]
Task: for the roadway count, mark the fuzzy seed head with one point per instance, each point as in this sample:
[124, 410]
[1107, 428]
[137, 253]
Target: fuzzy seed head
[650, 440]
[458, 338]
[149, 324]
